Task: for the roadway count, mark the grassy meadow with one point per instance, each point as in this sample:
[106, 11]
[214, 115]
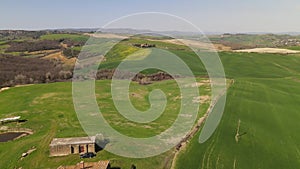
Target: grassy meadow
[265, 97]
[74, 37]
[50, 113]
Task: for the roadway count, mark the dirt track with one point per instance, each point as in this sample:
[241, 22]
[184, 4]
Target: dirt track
[196, 128]
[269, 50]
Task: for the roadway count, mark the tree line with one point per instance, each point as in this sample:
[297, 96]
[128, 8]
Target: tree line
[16, 70]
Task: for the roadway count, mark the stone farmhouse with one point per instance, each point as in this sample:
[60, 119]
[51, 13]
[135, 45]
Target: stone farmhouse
[74, 145]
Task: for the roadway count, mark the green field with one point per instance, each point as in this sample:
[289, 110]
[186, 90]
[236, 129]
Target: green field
[73, 37]
[50, 113]
[265, 97]
[125, 49]
[294, 47]
[238, 41]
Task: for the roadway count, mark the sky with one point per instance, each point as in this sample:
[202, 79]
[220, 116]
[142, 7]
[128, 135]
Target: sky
[208, 15]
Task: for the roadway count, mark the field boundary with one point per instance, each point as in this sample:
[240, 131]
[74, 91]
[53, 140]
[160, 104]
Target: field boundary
[182, 144]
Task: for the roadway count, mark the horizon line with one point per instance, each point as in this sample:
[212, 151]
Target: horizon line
[94, 28]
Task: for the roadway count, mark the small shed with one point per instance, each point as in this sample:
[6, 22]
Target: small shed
[74, 145]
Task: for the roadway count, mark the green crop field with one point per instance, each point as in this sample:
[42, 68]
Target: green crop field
[265, 97]
[73, 37]
[125, 49]
[251, 40]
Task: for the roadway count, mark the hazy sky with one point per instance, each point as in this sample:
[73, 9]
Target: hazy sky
[208, 15]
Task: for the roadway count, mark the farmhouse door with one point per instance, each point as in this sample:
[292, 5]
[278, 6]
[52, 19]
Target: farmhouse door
[72, 150]
[81, 149]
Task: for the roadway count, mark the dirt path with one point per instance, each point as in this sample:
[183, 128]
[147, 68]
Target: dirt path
[182, 144]
[268, 50]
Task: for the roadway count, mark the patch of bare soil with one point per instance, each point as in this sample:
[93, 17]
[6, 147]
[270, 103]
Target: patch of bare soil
[136, 95]
[296, 80]
[177, 98]
[201, 99]
[60, 57]
[45, 52]
[197, 44]
[268, 50]
[43, 97]
[198, 84]
[221, 47]
[4, 88]
[23, 85]
[106, 35]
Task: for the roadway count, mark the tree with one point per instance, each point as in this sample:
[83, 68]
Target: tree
[20, 79]
[48, 77]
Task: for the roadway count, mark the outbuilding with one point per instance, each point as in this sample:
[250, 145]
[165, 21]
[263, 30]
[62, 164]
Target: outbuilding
[74, 145]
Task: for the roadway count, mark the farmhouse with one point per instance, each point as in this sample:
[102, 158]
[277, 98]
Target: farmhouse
[144, 45]
[75, 145]
[88, 165]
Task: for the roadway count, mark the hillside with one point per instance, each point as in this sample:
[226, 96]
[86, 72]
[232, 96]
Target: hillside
[265, 99]
[49, 112]
[259, 128]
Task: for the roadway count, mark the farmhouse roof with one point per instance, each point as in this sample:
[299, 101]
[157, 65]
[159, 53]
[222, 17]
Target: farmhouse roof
[72, 140]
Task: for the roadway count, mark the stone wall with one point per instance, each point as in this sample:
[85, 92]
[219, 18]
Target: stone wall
[62, 150]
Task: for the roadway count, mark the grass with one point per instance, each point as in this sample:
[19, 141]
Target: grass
[3, 42]
[50, 113]
[265, 98]
[73, 37]
[254, 65]
[293, 47]
[3, 47]
[123, 49]
[268, 111]
[248, 40]
[139, 55]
